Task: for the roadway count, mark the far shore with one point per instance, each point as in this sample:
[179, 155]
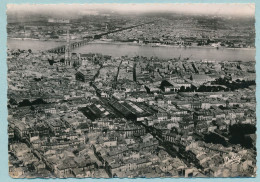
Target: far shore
[163, 45]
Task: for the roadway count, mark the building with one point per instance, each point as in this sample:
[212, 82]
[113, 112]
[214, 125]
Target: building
[84, 75]
[200, 79]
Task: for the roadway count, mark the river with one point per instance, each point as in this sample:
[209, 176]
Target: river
[117, 50]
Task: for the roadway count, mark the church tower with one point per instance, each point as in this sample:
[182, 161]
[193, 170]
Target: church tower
[67, 50]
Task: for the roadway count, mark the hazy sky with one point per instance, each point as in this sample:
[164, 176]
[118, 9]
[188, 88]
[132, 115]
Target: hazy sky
[70, 10]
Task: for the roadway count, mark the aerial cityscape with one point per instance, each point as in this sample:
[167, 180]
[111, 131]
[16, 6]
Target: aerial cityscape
[131, 90]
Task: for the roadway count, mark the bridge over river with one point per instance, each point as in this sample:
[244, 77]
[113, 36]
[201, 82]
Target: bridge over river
[74, 45]
[61, 49]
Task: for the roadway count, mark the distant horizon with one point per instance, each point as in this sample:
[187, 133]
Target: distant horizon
[71, 11]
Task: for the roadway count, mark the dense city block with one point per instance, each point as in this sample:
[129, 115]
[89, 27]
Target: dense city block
[89, 114]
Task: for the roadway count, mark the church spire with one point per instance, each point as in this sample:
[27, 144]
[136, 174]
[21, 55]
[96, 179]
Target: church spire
[67, 50]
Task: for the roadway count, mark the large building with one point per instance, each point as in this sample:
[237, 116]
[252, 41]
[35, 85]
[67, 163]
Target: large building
[85, 75]
[200, 79]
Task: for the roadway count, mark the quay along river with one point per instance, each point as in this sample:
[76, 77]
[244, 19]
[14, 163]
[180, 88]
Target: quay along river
[122, 49]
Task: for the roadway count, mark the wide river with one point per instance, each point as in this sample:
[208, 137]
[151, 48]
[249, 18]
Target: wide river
[117, 50]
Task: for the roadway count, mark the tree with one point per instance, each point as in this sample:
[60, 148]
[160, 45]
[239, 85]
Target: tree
[221, 107]
[62, 60]
[188, 89]
[202, 88]
[182, 89]
[25, 102]
[242, 129]
[193, 88]
[38, 101]
[208, 89]
[51, 62]
[238, 134]
[214, 138]
[74, 64]
[12, 101]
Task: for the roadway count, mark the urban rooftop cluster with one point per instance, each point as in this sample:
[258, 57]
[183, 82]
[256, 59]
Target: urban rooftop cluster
[93, 115]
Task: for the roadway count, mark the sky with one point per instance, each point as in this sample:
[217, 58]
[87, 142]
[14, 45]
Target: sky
[76, 10]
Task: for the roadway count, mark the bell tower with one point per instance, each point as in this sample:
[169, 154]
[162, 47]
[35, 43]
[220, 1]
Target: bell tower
[67, 50]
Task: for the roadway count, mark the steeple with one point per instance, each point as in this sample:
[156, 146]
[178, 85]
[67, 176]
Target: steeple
[67, 50]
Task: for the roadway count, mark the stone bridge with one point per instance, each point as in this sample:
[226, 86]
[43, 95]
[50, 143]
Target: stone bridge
[61, 49]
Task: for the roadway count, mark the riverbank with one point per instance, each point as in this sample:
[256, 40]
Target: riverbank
[168, 46]
[54, 40]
